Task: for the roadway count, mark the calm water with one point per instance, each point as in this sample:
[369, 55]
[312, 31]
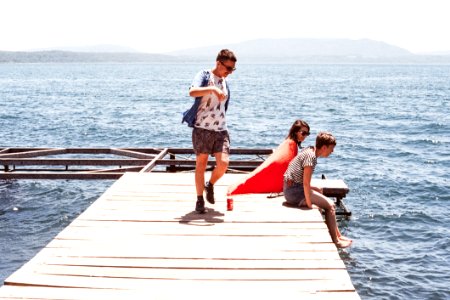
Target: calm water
[392, 123]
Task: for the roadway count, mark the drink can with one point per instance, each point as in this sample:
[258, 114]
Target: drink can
[229, 204]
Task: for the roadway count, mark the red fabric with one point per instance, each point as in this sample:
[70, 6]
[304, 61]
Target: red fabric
[268, 177]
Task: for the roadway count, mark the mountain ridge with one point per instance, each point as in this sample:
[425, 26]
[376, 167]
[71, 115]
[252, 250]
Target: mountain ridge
[100, 48]
[58, 56]
[282, 48]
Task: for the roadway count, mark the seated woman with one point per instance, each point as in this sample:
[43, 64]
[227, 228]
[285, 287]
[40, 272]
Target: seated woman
[268, 177]
[297, 184]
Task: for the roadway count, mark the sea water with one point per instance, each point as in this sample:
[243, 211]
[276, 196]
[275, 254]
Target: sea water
[392, 124]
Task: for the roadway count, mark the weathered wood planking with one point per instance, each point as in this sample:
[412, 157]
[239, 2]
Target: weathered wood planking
[142, 240]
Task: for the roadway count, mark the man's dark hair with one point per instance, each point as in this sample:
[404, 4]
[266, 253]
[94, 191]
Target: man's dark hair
[325, 139]
[226, 54]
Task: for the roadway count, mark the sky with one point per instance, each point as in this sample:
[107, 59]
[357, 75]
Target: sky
[159, 26]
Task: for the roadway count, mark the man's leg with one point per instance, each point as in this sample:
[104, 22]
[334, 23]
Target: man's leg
[200, 168]
[222, 161]
[221, 150]
[330, 218]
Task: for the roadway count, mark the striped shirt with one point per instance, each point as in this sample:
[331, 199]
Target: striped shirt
[306, 158]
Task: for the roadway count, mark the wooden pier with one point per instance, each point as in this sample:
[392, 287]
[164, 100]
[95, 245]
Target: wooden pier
[142, 240]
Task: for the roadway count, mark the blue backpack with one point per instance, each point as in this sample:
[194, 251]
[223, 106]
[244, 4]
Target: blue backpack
[190, 115]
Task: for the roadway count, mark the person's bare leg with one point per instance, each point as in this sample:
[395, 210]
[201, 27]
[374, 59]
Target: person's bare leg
[219, 170]
[330, 218]
[200, 168]
[222, 160]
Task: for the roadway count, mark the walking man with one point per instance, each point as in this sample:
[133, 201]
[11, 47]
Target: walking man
[207, 117]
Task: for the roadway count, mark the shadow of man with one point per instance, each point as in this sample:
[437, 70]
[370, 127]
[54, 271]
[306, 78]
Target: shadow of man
[207, 219]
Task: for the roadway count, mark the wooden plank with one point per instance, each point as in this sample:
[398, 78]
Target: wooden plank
[152, 164]
[126, 283]
[34, 153]
[307, 232]
[238, 151]
[192, 162]
[212, 216]
[59, 175]
[218, 244]
[193, 252]
[135, 154]
[181, 179]
[228, 274]
[115, 170]
[158, 289]
[218, 229]
[213, 254]
[50, 258]
[163, 202]
[73, 162]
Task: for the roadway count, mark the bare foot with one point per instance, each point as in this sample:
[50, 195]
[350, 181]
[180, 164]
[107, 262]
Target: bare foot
[344, 238]
[343, 243]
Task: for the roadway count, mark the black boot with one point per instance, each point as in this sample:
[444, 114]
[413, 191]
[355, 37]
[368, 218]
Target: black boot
[200, 205]
[209, 188]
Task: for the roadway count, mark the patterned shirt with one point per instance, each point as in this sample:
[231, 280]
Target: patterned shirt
[211, 112]
[306, 158]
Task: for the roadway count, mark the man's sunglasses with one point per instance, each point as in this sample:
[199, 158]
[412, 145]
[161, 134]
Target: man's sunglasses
[229, 69]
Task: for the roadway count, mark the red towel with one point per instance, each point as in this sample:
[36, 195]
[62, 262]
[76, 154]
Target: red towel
[268, 177]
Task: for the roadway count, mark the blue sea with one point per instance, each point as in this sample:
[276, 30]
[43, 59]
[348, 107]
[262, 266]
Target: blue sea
[392, 124]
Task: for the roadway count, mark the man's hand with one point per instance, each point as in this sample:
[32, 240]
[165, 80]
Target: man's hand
[219, 93]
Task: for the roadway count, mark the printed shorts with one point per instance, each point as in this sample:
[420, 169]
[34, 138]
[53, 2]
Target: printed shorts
[210, 142]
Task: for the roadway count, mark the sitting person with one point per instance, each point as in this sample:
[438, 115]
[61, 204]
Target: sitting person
[297, 184]
[268, 177]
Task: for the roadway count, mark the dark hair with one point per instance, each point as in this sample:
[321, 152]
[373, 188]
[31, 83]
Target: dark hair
[325, 139]
[226, 54]
[298, 124]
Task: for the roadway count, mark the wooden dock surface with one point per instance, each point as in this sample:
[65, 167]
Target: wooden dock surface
[142, 240]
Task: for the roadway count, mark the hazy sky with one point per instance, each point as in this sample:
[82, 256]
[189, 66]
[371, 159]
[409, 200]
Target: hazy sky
[165, 25]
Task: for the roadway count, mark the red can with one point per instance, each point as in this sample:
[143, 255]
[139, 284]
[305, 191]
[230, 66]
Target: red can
[229, 204]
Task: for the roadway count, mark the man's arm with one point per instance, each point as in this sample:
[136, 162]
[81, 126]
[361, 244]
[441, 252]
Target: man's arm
[307, 175]
[204, 91]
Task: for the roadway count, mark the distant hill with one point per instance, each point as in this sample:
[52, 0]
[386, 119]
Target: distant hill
[103, 48]
[290, 48]
[74, 57]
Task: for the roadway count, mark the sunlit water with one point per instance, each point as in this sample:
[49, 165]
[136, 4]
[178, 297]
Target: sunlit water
[392, 124]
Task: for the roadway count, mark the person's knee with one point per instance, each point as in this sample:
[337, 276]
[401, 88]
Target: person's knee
[222, 165]
[330, 205]
[332, 208]
[222, 161]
